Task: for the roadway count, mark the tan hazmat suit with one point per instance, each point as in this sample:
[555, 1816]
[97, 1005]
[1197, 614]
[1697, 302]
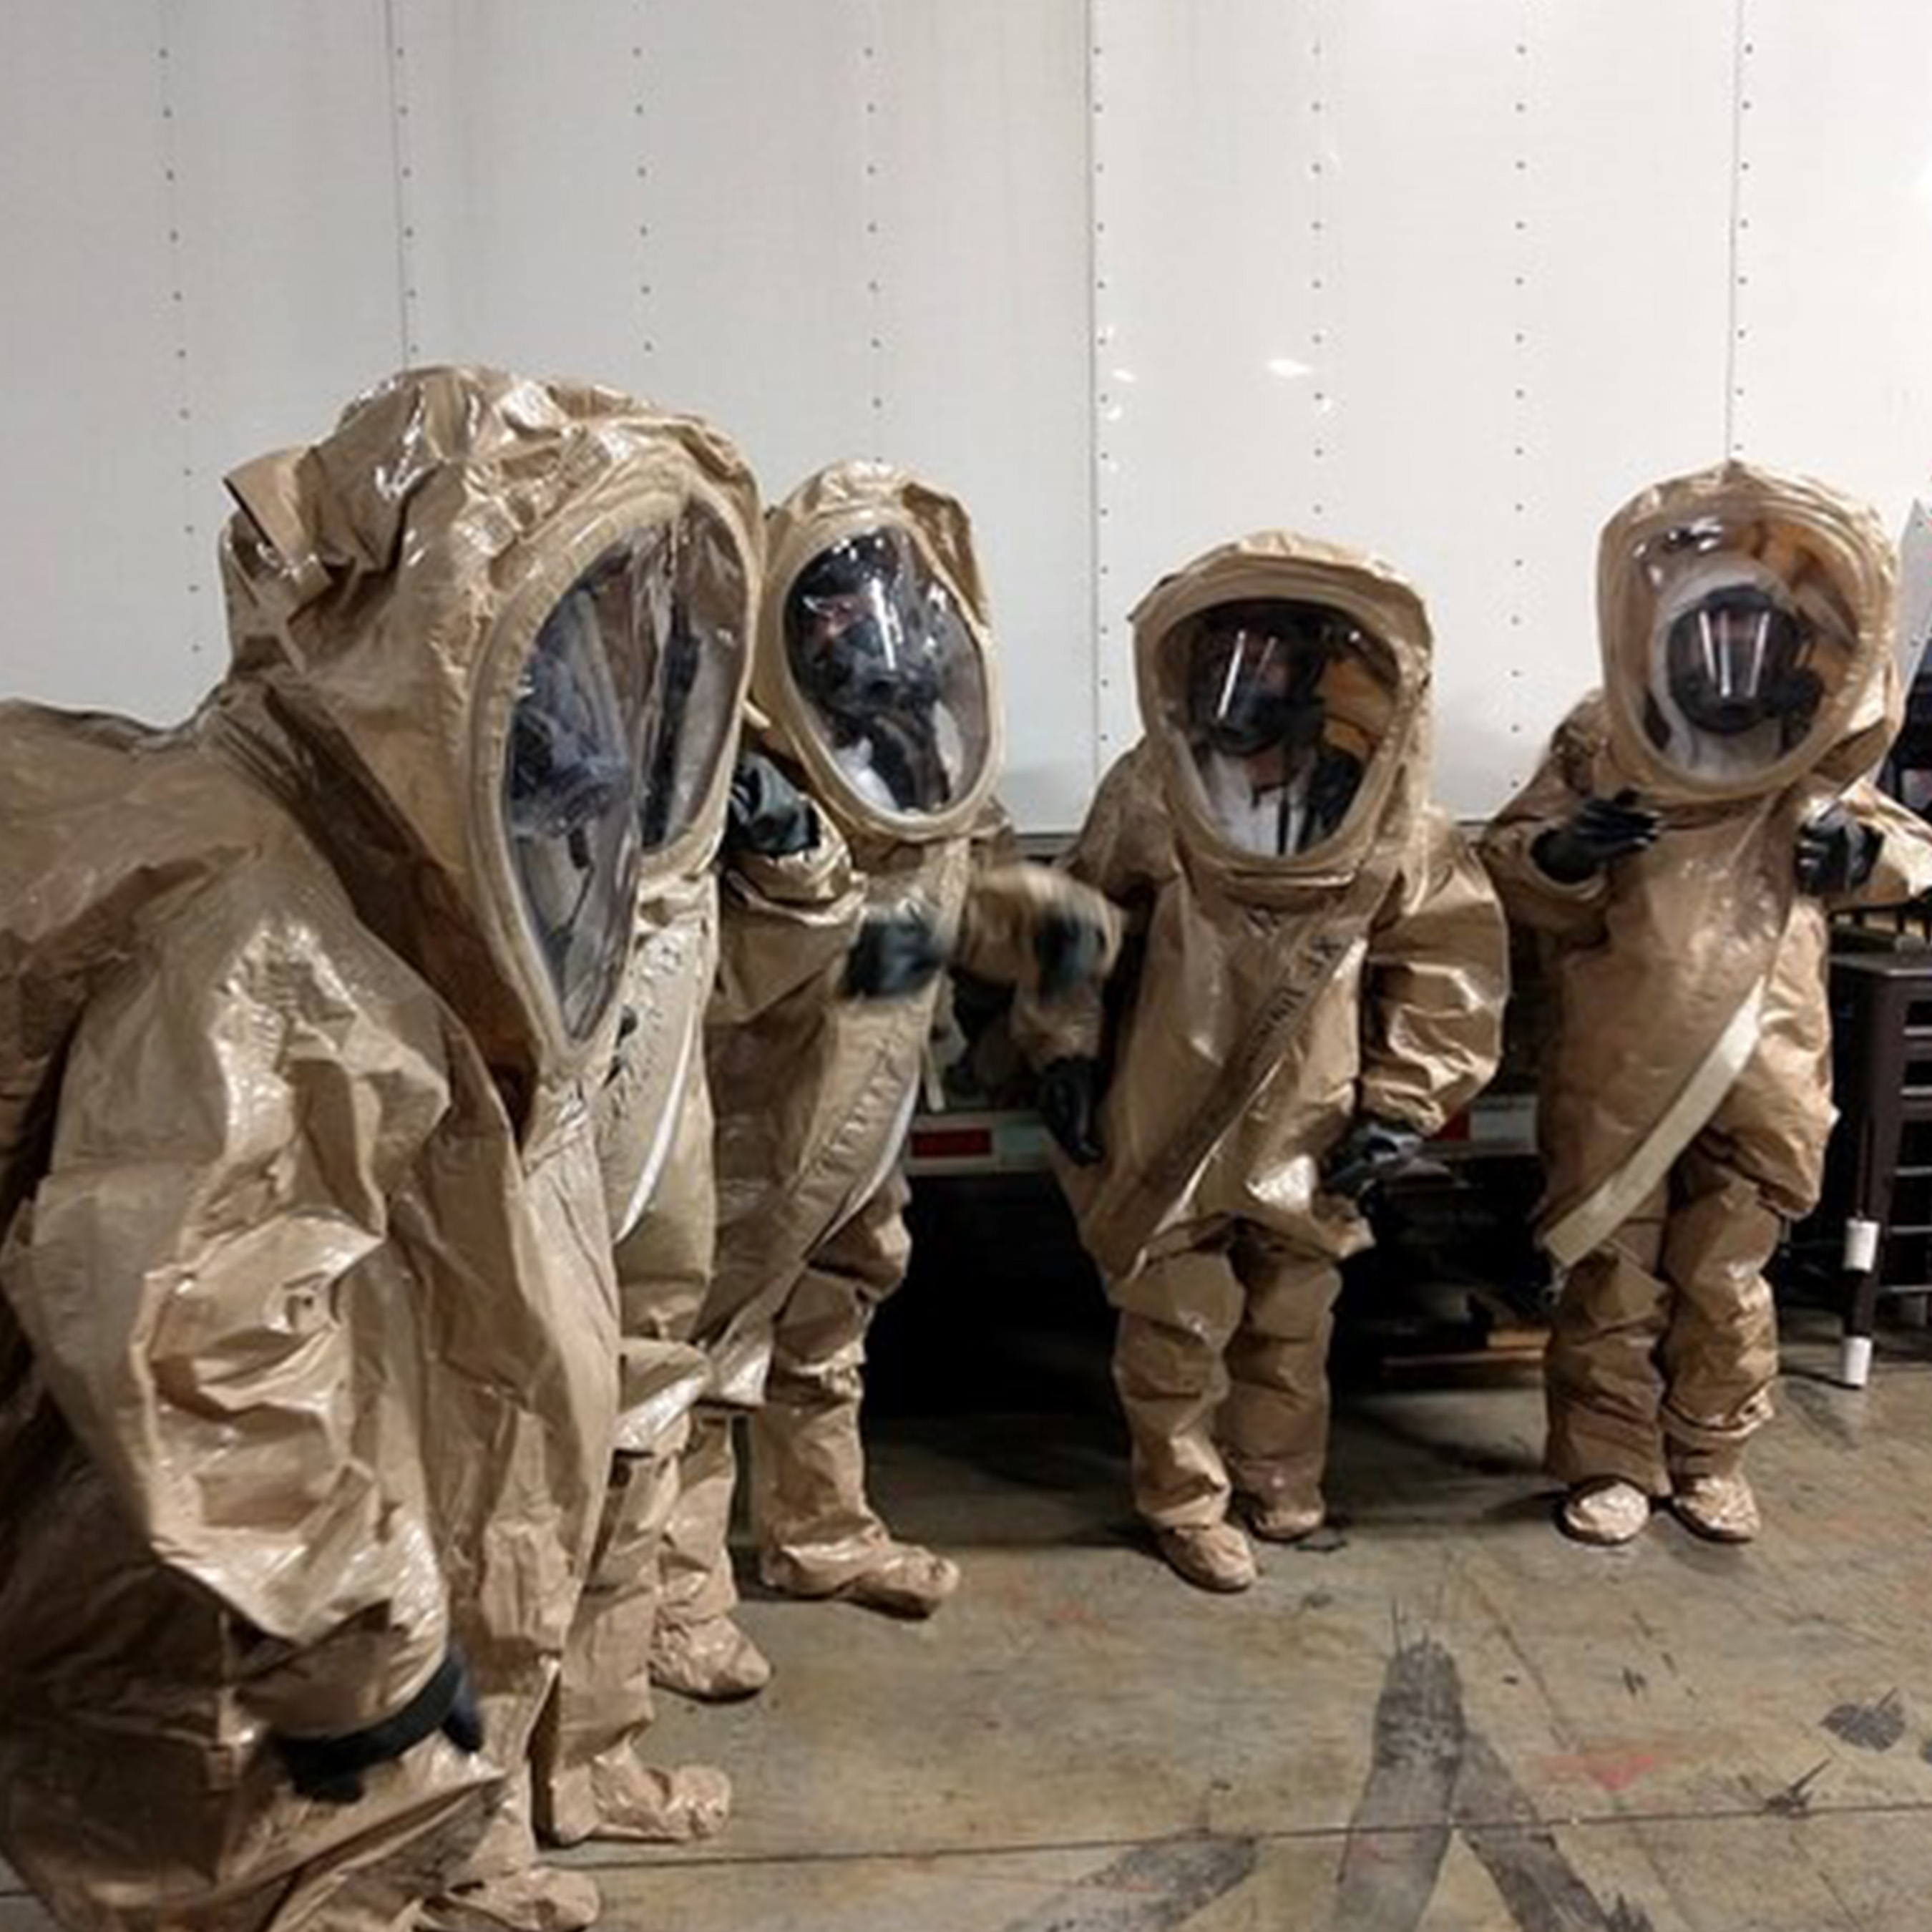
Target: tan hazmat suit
[1686, 1079]
[1271, 997]
[654, 1135]
[814, 1090]
[308, 1334]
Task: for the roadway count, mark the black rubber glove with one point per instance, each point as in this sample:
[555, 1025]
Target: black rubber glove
[1069, 948]
[895, 954]
[1835, 852]
[330, 1769]
[1600, 831]
[1068, 1099]
[768, 814]
[1369, 1152]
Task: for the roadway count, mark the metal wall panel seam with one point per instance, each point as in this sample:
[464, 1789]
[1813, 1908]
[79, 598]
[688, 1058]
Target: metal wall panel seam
[403, 166]
[1743, 48]
[1322, 419]
[1522, 246]
[177, 305]
[870, 62]
[640, 120]
[1101, 457]
[641, 123]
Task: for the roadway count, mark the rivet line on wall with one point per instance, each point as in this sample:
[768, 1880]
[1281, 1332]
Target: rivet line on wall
[1103, 457]
[871, 64]
[1321, 325]
[178, 313]
[1522, 241]
[1737, 328]
[402, 157]
[640, 126]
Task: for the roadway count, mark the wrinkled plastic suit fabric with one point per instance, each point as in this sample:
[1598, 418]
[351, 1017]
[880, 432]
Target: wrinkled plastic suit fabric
[308, 1335]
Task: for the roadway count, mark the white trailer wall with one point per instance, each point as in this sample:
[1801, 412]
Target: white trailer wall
[1450, 280]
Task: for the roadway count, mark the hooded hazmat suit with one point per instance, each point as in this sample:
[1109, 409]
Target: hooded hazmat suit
[1675, 1147]
[308, 1336]
[1311, 944]
[875, 669]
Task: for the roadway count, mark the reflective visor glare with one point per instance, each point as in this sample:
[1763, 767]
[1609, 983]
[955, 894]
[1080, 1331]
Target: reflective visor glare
[1734, 648]
[1249, 662]
[689, 708]
[570, 778]
[1280, 713]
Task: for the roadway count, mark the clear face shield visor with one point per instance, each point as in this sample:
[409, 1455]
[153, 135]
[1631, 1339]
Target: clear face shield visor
[571, 771]
[890, 675]
[1253, 688]
[1736, 661]
[1281, 705]
[1750, 643]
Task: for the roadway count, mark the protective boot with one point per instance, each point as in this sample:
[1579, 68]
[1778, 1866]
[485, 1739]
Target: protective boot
[818, 1536]
[1273, 1428]
[1719, 1508]
[1605, 1513]
[905, 1580]
[1283, 1523]
[1210, 1555]
[713, 1661]
[588, 1779]
[697, 1648]
[653, 1805]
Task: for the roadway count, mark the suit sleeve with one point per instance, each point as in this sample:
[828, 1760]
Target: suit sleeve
[1562, 783]
[783, 923]
[1124, 851]
[1006, 908]
[1904, 867]
[236, 1114]
[1437, 979]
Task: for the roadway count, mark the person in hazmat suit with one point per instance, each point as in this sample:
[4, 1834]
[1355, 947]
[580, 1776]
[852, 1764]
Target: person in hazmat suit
[309, 1343]
[1678, 851]
[870, 853]
[1316, 968]
[654, 1135]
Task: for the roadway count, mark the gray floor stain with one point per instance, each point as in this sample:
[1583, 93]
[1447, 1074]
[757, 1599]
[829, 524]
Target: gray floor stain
[1541, 1887]
[1795, 1800]
[1430, 1774]
[1151, 1888]
[1872, 1727]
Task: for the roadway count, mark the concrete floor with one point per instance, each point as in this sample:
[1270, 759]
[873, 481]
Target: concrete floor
[1456, 1720]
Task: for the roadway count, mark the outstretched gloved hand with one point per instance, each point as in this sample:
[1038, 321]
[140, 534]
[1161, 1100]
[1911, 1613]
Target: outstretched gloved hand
[1368, 1153]
[1069, 948]
[330, 1769]
[1835, 852]
[896, 953]
[768, 814]
[1599, 832]
[1069, 1097]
